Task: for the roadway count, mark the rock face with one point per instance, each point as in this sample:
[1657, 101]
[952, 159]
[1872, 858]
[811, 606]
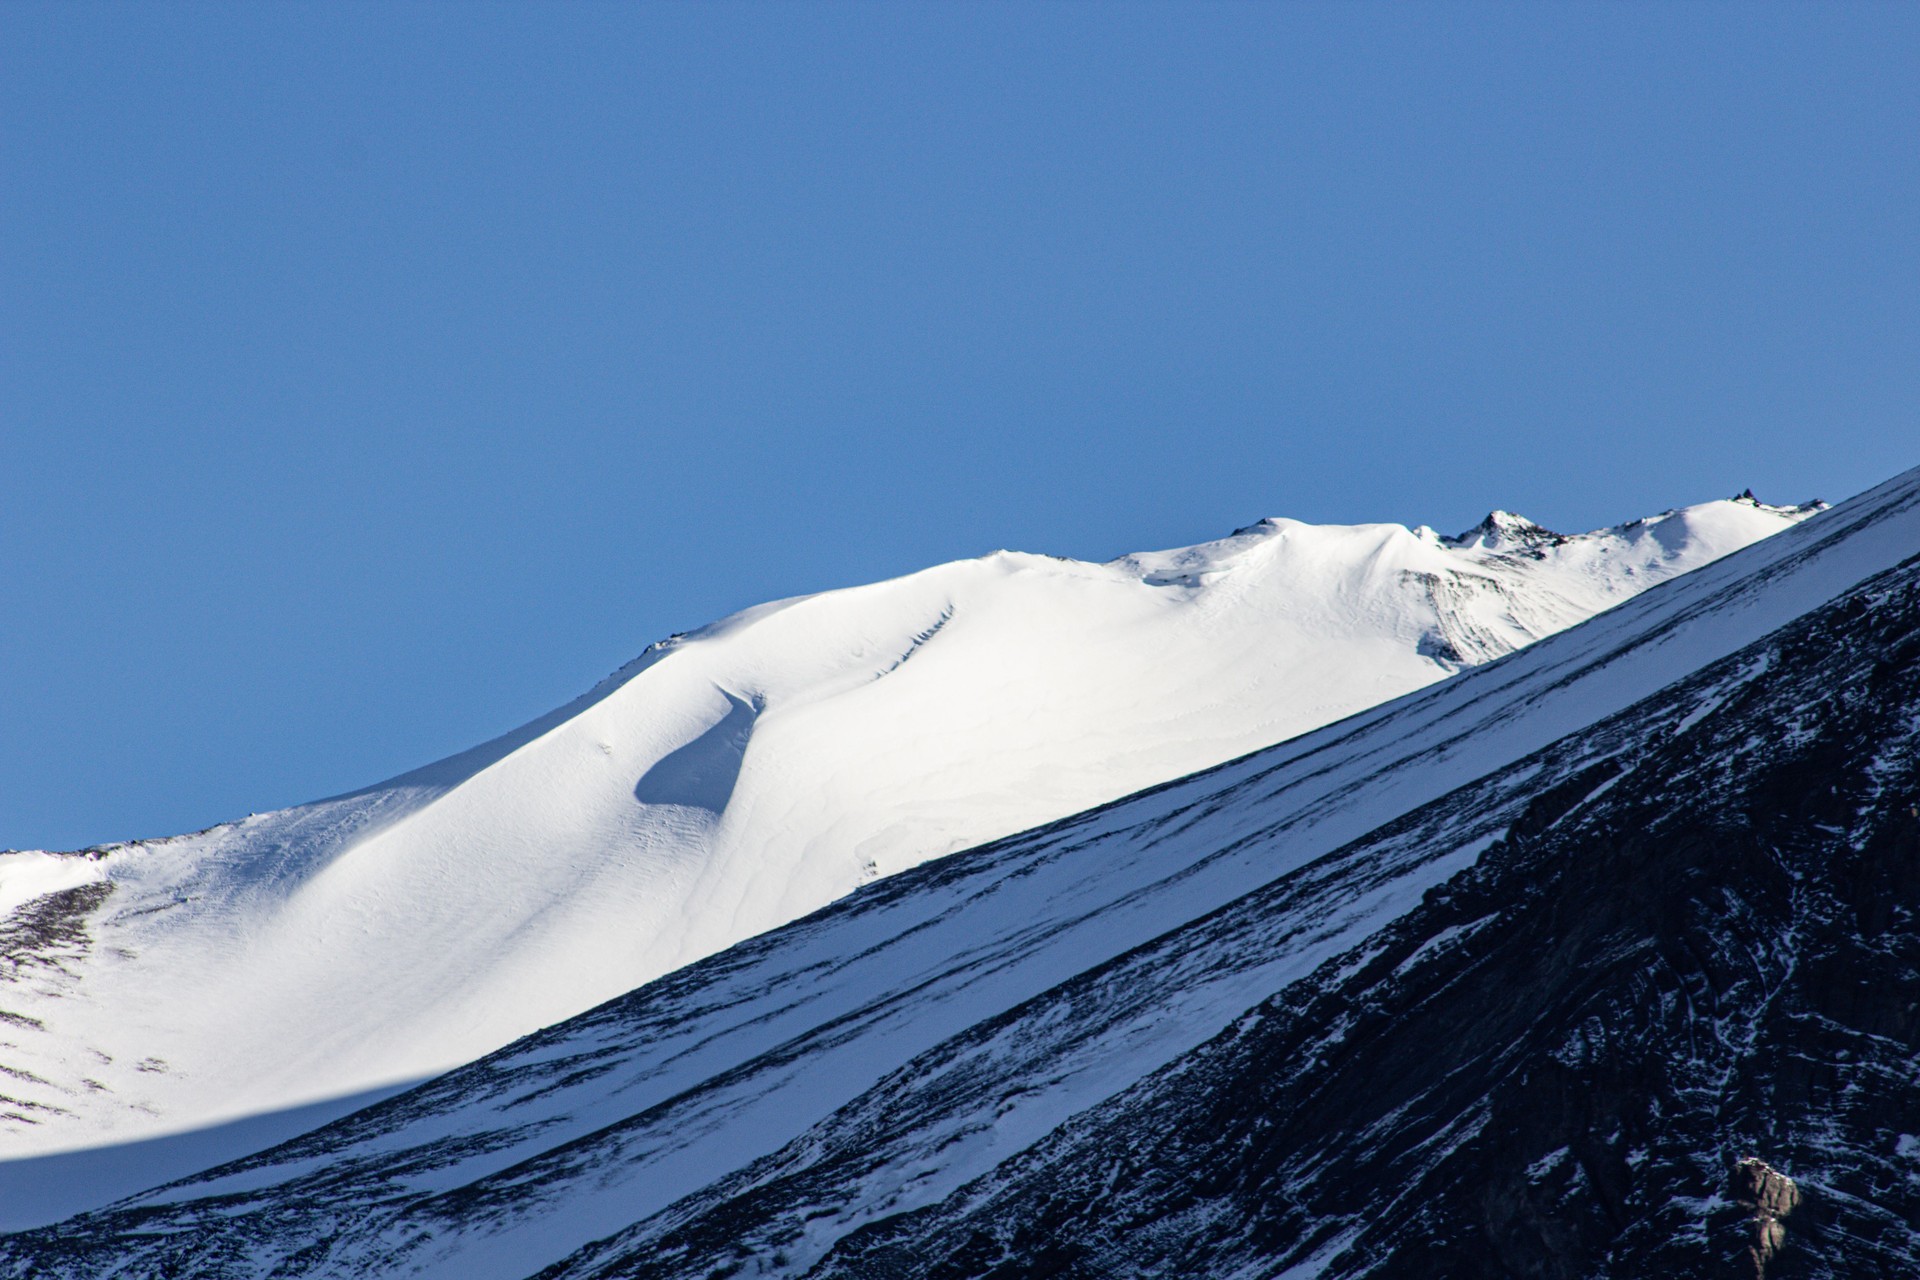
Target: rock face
[1770, 1196]
[1591, 964]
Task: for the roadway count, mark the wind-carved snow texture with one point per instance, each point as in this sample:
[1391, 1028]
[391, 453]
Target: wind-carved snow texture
[1505, 978]
[702, 773]
[733, 779]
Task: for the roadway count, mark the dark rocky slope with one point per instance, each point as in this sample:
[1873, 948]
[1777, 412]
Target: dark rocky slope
[1702, 949]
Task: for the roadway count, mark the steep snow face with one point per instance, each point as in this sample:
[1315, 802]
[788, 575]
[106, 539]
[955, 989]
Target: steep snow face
[730, 780]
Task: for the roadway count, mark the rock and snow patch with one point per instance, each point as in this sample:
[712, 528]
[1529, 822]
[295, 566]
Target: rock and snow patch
[25, 876]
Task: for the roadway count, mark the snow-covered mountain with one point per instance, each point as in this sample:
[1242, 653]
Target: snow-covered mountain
[1523, 975]
[731, 780]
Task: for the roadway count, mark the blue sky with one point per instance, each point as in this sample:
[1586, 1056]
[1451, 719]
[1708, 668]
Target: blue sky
[374, 378]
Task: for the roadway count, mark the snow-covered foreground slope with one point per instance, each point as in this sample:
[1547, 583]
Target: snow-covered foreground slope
[954, 1068]
[729, 781]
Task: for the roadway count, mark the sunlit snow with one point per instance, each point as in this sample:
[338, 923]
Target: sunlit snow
[736, 778]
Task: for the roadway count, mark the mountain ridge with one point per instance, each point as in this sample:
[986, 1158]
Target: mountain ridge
[627, 1128]
[418, 923]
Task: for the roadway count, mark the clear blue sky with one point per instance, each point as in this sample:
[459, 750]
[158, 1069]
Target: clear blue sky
[374, 378]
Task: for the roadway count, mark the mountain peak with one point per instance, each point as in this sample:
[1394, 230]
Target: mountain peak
[1747, 498]
[1502, 529]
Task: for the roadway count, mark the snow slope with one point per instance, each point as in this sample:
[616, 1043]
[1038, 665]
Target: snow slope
[731, 780]
[913, 1049]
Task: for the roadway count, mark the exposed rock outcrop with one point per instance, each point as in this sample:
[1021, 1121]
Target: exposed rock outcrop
[1769, 1196]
